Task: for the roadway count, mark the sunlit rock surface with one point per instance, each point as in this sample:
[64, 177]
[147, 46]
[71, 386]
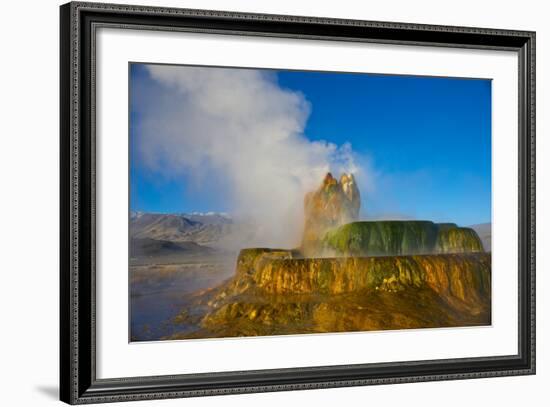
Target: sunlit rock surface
[273, 292]
[335, 203]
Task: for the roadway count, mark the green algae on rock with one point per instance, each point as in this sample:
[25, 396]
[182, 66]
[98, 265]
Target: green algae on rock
[395, 238]
[453, 239]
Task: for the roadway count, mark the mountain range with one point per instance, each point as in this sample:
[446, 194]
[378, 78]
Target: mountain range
[200, 228]
[483, 230]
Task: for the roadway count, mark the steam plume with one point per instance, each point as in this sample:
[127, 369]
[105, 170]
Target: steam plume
[238, 136]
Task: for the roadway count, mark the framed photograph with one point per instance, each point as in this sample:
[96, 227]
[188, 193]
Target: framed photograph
[255, 203]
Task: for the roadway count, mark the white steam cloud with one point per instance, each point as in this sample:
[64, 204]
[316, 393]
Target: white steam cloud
[237, 136]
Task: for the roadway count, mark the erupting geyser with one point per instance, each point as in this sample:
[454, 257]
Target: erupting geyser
[381, 275]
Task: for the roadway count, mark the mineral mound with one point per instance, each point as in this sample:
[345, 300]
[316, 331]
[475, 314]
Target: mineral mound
[381, 275]
[333, 204]
[396, 238]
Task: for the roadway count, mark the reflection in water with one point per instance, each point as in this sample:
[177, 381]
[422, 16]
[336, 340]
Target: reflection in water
[158, 292]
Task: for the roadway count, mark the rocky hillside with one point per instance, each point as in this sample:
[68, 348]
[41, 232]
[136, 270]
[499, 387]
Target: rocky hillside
[274, 292]
[203, 229]
[395, 238]
[483, 230]
[144, 247]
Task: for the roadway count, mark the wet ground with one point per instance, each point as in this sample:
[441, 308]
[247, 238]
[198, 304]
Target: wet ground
[159, 289]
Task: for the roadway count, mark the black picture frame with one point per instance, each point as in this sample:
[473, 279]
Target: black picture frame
[78, 382]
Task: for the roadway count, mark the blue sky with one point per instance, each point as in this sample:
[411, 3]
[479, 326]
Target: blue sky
[426, 142]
